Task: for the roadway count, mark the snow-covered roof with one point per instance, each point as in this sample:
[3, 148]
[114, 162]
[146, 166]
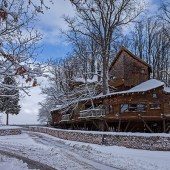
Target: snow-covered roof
[147, 85]
[58, 107]
[143, 87]
[167, 89]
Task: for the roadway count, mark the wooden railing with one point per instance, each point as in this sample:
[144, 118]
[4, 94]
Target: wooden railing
[92, 113]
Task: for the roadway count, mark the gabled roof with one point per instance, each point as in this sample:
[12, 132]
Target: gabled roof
[130, 54]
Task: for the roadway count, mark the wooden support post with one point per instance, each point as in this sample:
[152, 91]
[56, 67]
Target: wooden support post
[95, 125]
[164, 125]
[77, 126]
[132, 128]
[74, 126]
[119, 125]
[167, 129]
[106, 124]
[146, 125]
[84, 124]
[127, 126]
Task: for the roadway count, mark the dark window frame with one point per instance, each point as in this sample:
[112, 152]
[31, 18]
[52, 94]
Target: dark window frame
[154, 106]
[133, 107]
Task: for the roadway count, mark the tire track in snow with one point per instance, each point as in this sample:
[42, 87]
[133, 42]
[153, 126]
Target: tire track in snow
[32, 164]
[70, 153]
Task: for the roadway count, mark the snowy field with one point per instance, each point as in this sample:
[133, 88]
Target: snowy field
[61, 154]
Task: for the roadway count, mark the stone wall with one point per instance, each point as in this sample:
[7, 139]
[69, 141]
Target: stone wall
[159, 142]
[4, 132]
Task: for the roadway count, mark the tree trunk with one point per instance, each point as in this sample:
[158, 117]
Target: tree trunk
[105, 79]
[7, 119]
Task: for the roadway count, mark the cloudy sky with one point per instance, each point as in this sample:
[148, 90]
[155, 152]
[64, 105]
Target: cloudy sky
[50, 24]
[53, 47]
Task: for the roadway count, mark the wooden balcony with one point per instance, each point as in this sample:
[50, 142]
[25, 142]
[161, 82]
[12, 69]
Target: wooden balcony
[65, 118]
[92, 113]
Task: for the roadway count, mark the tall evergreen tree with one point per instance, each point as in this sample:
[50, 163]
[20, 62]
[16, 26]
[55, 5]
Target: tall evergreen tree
[9, 100]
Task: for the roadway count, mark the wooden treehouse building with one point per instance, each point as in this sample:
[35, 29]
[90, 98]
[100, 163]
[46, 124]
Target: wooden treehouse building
[139, 104]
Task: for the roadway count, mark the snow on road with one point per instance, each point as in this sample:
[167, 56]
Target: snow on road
[7, 163]
[61, 154]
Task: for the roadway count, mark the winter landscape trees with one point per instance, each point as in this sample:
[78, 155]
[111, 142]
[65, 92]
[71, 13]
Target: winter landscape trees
[101, 21]
[18, 48]
[97, 32]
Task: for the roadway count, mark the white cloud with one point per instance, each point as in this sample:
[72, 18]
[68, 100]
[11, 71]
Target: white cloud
[51, 21]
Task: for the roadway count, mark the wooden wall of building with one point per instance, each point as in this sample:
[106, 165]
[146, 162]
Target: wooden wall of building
[127, 68]
[151, 101]
[56, 117]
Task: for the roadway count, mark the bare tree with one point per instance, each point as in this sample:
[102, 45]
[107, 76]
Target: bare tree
[166, 11]
[150, 41]
[100, 19]
[18, 40]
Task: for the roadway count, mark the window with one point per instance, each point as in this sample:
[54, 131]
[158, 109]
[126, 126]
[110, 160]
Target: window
[110, 108]
[133, 107]
[154, 95]
[142, 71]
[124, 107]
[111, 77]
[141, 107]
[155, 106]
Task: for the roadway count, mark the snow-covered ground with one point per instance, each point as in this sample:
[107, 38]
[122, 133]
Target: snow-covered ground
[7, 163]
[61, 154]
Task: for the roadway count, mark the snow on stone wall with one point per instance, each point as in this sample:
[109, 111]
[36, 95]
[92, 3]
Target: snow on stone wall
[10, 131]
[147, 142]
